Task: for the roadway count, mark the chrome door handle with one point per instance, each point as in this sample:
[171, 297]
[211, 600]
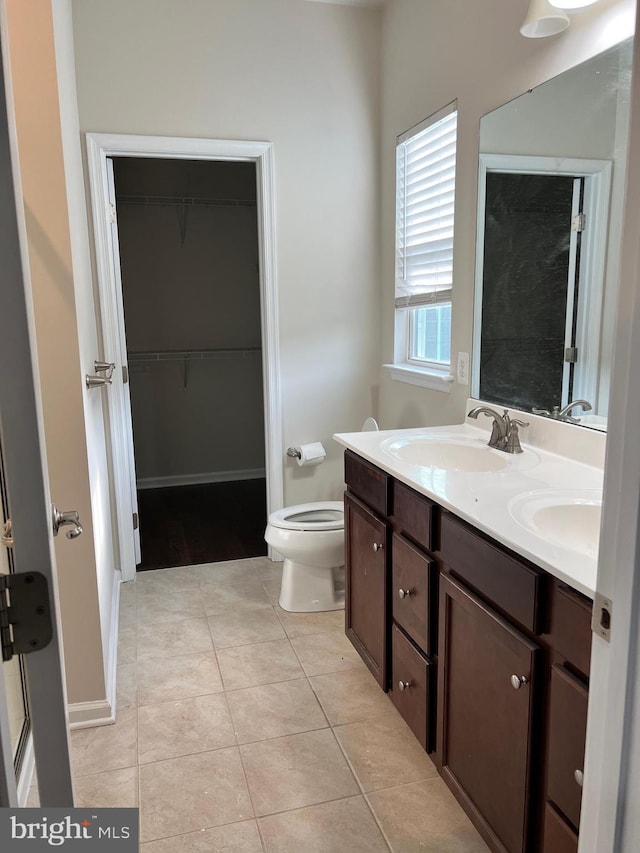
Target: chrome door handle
[404, 593]
[404, 685]
[378, 546]
[518, 681]
[65, 519]
[102, 375]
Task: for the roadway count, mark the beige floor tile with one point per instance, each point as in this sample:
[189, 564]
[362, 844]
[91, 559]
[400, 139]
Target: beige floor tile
[322, 653]
[127, 644]
[424, 817]
[33, 800]
[172, 639]
[191, 793]
[166, 580]
[259, 663]
[350, 696]
[234, 595]
[127, 594]
[155, 607]
[268, 569]
[216, 574]
[296, 771]
[103, 748]
[127, 617]
[162, 679]
[302, 624]
[184, 727]
[383, 753]
[234, 628]
[110, 790]
[273, 710]
[327, 828]
[233, 838]
[272, 588]
[127, 687]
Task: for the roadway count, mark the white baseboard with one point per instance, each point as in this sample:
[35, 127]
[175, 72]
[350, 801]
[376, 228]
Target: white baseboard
[26, 780]
[84, 715]
[197, 479]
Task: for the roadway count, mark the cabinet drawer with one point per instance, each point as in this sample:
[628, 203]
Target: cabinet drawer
[411, 693]
[369, 483]
[571, 627]
[413, 593]
[497, 575]
[567, 735]
[414, 515]
[558, 835]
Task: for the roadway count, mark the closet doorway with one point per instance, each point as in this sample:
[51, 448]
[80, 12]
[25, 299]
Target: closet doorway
[188, 241]
[187, 287]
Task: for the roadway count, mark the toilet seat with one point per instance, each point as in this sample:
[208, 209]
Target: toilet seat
[322, 515]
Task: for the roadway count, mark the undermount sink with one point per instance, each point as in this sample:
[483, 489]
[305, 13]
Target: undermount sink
[569, 518]
[447, 454]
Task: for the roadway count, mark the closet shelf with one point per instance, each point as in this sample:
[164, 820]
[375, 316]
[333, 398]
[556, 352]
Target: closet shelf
[185, 201]
[192, 355]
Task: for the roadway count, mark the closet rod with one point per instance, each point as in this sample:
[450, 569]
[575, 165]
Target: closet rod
[185, 200]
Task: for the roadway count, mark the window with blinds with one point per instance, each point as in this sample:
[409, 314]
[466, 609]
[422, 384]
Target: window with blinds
[425, 194]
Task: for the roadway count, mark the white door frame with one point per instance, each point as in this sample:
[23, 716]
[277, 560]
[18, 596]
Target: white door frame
[101, 146]
[592, 261]
[26, 477]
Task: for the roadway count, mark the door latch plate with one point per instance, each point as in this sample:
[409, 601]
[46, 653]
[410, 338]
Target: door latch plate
[601, 619]
[25, 616]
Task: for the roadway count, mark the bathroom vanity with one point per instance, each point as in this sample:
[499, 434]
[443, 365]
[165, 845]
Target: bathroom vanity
[484, 651]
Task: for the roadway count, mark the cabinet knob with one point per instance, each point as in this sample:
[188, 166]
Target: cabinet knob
[517, 681]
[579, 777]
[404, 685]
[404, 593]
[378, 546]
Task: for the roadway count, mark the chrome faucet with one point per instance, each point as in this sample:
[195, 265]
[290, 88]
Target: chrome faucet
[559, 414]
[504, 433]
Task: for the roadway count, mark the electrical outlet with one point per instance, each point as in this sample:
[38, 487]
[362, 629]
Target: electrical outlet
[463, 368]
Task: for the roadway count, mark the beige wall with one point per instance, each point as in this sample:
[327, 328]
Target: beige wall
[477, 55]
[61, 360]
[304, 76]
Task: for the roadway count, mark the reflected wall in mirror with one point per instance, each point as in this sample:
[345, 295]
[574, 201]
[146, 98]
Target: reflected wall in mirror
[550, 195]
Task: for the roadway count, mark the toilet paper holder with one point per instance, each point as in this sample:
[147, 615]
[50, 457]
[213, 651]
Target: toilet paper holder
[294, 452]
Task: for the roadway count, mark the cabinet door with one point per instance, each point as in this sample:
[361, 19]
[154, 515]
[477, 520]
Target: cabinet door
[486, 694]
[366, 583]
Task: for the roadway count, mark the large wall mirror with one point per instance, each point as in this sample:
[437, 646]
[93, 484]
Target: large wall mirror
[550, 196]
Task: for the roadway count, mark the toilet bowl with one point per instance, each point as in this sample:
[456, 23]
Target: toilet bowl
[310, 537]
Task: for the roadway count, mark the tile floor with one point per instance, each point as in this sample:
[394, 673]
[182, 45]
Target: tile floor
[244, 728]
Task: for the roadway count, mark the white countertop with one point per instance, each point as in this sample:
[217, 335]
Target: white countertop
[489, 500]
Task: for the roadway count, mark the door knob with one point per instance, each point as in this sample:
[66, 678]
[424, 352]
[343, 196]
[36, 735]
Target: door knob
[579, 777]
[404, 685]
[404, 593]
[70, 518]
[518, 681]
[378, 546]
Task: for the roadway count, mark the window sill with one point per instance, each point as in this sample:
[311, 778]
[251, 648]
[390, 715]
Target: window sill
[435, 380]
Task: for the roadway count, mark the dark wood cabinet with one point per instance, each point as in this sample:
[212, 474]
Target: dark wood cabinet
[366, 586]
[486, 713]
[486, 657]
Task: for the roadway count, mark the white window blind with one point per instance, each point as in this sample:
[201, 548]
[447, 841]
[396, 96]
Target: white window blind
[425, 194]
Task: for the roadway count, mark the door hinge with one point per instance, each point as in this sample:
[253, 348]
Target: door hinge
[125, 374]
[571, 355]
[579, 222]
[135, 521]
[25, 617]
[601, 617]
[111, 209]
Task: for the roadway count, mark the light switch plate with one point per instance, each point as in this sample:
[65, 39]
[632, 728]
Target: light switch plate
[462, 371]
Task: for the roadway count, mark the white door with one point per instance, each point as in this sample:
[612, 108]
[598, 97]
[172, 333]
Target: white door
[120, 403]
[23, 479]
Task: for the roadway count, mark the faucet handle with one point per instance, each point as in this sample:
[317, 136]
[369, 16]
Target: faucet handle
[544, 412]
[518, 423]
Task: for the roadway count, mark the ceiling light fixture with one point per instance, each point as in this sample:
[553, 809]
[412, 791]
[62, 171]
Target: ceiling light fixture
[572, 4]
[543, 19]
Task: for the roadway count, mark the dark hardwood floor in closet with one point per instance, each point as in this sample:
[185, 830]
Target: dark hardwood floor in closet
[187, 525]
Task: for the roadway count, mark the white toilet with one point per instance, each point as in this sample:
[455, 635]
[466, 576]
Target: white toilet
[310, 537]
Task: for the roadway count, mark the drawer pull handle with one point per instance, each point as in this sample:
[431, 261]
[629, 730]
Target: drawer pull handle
[578, 776]
[404, 685]
[378, 546]
[404, 593]
[517, 681]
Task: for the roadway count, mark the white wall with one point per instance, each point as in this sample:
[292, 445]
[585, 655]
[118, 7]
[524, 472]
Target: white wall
[304, 76]
[434, 53]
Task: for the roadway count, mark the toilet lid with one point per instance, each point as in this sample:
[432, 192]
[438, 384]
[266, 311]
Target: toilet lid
[324, 515]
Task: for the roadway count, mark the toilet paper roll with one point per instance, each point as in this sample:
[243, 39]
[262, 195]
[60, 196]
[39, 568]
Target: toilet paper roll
[311, 454]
